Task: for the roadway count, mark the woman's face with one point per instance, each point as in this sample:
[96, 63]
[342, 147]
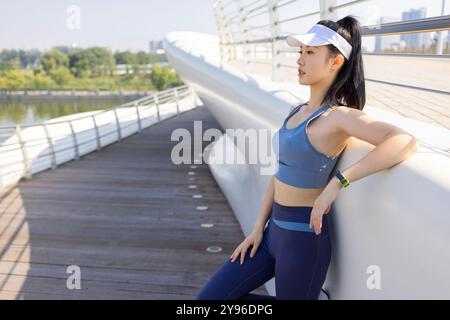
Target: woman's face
[316, 64]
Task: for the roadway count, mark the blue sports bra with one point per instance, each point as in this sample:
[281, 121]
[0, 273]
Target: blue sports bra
[300, 164]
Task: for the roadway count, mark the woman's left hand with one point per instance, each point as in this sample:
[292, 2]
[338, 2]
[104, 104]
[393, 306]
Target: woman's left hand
[323, 203]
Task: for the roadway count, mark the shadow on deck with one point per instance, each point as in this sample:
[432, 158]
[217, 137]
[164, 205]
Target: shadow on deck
[125, 216]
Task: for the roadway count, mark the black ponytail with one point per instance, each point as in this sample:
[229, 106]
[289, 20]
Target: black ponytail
[349, 87]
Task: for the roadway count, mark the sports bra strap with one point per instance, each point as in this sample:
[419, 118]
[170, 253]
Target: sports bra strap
[312, 116]
[295, 109]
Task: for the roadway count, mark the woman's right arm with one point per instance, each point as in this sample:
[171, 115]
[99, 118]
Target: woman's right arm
[266, 207]
[255, 237]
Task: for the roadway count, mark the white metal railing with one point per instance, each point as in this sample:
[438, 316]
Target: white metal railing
[69, 93]
[27, 149]
[239, 39]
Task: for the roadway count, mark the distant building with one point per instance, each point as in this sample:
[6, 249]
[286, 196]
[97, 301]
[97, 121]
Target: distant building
[415, 40]
[156, 46]
[388, 42]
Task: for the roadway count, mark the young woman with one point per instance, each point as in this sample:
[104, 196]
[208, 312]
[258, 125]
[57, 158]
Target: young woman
[295, 247]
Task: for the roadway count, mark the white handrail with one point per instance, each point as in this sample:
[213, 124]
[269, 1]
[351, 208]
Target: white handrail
[31, 148]
[236, 34]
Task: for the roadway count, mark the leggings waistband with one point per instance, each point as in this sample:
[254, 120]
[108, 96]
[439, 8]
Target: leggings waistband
[297, 214]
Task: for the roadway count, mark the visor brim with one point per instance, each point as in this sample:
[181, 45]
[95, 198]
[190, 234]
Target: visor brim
[308, 39]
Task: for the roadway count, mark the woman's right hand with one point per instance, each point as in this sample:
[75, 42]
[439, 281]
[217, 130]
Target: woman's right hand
[253, 239]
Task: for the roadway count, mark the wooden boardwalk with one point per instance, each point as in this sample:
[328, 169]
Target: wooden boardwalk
[125, 216]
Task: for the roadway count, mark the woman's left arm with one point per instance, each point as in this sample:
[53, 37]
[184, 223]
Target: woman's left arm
[392, 145]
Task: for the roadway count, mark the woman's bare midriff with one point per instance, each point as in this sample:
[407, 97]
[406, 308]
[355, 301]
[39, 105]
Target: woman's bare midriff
[288, 195]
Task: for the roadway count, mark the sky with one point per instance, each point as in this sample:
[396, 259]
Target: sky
[118, 24]
[131, 24]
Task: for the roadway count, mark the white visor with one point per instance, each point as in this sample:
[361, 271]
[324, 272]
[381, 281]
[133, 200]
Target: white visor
[320, 35]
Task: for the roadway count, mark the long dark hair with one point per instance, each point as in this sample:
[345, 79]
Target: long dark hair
[348, 88]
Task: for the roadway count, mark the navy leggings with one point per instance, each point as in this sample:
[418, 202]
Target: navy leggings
[290, 251]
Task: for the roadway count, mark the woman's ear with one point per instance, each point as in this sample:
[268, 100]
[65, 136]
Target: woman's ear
[337, 62]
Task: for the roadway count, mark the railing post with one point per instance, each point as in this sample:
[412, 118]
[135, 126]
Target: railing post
[50, 146]
[75, 141]
[275, 32]
[325, 12]
[440, 34]
[158, 117]
[194, 101]
[119, 130]
[226, 34]
[244, 36]
[26, 164]
[138, 117]
[97, 135]
[219, 26]
[197, 99]
[177, 102]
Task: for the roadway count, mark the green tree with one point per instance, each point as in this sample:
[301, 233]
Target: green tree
[61, 76]
[158, 77]
[142, 59]
[93, 62]
[20, 58]
[129, 59]
[54, 59]
[80, 66]
[163, 77]
[10, 58]
[6, 66]
[42, 82]
[14, 80]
